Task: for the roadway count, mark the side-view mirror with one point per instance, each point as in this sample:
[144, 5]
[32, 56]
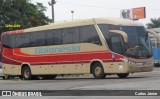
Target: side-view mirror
[124, 35]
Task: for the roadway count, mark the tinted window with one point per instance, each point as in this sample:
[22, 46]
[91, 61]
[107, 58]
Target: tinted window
[76, 35]
[57, 37]
[88, 34]
[38, 38]
[116, 44]
[22, 40]
[67, 36]
[6, 40]
[13, 41]
[70, 35]
[53, 37]
[50, 39]
[113, 27]
[104, 30]
[132, 35]
[141, 32]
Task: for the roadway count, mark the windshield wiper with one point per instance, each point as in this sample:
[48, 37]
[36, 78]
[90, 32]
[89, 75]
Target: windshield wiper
[143, 47]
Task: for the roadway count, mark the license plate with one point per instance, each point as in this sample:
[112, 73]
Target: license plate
[144, 69]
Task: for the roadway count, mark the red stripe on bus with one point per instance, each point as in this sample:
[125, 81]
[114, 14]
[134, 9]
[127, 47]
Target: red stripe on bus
[20, 31]
[9, 61]
[13, 32]
[16, 31]
[101, 55]
[12, 62]
[18, 52]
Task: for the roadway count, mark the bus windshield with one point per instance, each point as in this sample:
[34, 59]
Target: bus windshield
[139, 45]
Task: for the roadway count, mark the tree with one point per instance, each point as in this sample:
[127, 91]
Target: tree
[21, 12]
[155, 23]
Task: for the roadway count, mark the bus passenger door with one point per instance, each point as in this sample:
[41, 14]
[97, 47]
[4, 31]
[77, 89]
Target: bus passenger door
[117, 44]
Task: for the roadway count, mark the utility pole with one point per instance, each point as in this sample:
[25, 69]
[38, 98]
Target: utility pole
[72, 14]
[52, 5]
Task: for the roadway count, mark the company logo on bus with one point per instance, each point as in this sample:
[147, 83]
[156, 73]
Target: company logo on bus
[49, 50]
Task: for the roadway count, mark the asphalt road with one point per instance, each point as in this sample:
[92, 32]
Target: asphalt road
[137, 81]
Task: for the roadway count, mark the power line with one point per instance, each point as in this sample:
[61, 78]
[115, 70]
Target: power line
[93, 6]
[86, 5]
[68, 3]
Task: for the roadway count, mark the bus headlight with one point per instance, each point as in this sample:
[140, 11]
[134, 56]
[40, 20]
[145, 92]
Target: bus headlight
[130, 62]
[127, 61]
[124, 60]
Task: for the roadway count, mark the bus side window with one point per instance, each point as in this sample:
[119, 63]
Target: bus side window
[50, 37]
[70, 35]
[37, 38]
[57, 37]
[13, 41]
[22, 40]
[53, 37]
[104, 30]
[67, 35]
[6, 41]
[88, 34]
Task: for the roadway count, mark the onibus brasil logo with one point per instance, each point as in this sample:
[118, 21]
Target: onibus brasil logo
[21, 93]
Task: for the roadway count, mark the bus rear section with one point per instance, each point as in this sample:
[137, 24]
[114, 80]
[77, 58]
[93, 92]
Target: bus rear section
[102, 46]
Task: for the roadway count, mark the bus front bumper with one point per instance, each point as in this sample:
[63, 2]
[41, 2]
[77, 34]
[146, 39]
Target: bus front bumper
[133, 68]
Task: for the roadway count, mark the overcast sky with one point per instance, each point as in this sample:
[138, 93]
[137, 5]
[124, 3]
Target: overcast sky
[99, 8]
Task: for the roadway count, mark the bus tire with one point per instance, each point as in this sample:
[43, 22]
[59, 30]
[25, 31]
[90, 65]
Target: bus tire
[49, 77]
[3, 78]
[98, 71]
[123, 75]
[156, 65]
[26, 73]
[21, 77]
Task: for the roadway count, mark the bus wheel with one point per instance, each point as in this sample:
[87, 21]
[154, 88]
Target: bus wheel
[156, 64]
[26, 73]
[123, 75]
[98, 71]
[49, 77]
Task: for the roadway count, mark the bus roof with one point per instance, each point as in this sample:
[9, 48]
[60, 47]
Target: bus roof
[82, 22]
[113, 21]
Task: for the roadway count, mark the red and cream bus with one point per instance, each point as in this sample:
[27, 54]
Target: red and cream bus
[0, 54]
[98, 46]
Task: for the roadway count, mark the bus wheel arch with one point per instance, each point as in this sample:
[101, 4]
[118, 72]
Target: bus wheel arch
[26, 73]
[97, 69]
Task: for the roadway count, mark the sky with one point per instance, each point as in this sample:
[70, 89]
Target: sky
[84, 9]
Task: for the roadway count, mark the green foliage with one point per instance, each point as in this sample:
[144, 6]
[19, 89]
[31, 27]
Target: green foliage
[21, 12]
[155, 23]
